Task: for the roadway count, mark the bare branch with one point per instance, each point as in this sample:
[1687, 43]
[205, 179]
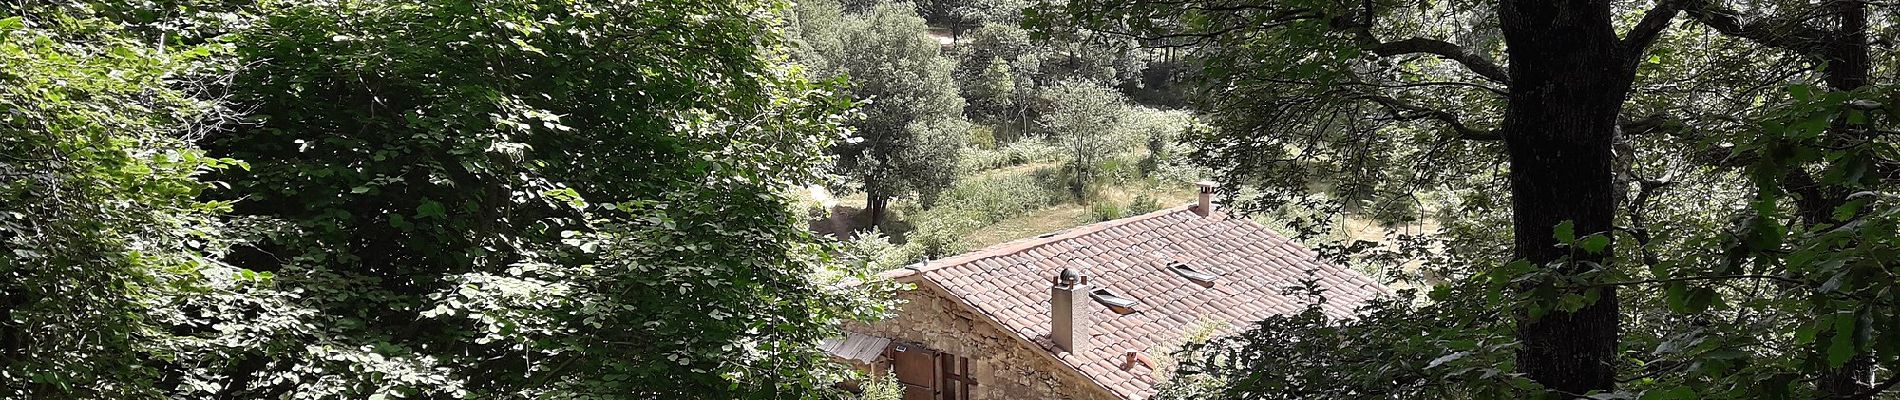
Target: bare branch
[1479, 64]
[1786, 33]
[1407, 111]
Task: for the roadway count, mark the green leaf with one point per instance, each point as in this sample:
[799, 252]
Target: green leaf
[1848, 210]
[430, 208]
[1675, 393]
[1565, 232]
[11, 23]
[1841, 344]
[1594, 243]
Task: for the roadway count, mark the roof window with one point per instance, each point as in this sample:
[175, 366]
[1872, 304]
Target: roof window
[1200, 278]
[1118, 304]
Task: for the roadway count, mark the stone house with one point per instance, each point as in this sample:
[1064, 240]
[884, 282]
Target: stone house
[1085, 313]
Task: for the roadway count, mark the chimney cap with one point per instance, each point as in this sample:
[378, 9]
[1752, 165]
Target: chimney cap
[1207, 184]
[1068, 277]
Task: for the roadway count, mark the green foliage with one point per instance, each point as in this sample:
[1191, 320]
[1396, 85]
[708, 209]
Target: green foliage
[1105, 210]
[993, 93]
[1748, 214]
[1034, 151]
[982, 137]
[1085, 119]
[1143, 204]
[99, 203]
[976, 202]
[998, 196]
[884, 387]
[876, 252]
[912, 126]
[940, 232]
[545, 199]
[1030, 151]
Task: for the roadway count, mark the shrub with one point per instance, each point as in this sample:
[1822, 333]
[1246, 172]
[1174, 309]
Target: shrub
[1143, 204]
[1033, 151]
[875, 251]
[941, 232]
[982, 136]
[884, 387]
[1002, 195]
[1106, 210]
[976, 160]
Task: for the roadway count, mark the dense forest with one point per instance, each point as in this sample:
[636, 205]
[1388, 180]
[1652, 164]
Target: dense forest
[617, 199]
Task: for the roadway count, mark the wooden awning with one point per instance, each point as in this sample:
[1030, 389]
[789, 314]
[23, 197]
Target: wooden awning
[856, 348]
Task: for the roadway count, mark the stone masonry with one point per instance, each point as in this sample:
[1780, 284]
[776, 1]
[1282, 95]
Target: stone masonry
[1004, 367]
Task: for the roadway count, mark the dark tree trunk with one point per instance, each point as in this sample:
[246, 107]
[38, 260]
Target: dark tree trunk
[875, 203]
[1846, 58]
[1568, 82]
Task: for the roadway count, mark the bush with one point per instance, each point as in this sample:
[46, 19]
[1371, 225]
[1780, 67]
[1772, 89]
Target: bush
[982, 136]
[1143, 204]
[1029, 151]
[1033, 151]
[1106, 210]
[1003, 195]
[876, 251]
[976, 160]
[941, 232]
[884, 387]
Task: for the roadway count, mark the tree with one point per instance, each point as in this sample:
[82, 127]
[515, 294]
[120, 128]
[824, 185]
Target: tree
[1644, 283]
[999, 98]
[99, 208]
[1839, 46]
[1085, 117]
[1556, 113]
[548, 199]
[908, 134]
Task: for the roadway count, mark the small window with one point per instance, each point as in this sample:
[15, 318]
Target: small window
[957, 380]
[1202, 278]
[1118, 304]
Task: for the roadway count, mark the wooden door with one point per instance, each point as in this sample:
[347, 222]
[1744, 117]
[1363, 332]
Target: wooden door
[916, 369]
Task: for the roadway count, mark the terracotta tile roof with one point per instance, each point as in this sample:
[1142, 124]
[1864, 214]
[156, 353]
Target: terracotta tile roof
[1009, 283]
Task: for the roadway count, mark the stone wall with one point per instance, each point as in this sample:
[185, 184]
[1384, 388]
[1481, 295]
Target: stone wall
[1004, 366]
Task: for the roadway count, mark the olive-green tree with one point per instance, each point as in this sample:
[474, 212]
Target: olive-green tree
[1085, 118]
[912, 123]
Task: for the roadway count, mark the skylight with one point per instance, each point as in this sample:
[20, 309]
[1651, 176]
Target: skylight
[1202, 278]
[1118, 304]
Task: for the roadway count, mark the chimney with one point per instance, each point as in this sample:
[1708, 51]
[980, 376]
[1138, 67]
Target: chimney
[1130, 357]
[1207, 197]
[1069, 318]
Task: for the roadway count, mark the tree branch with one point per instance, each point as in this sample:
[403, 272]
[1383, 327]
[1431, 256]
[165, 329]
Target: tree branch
[1701, 278]
[1876, 390]
[1400, 110]
[1786, 33]
[1479, 64]
[1651, 26]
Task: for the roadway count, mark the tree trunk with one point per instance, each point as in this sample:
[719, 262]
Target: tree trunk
[1846, 58]
[1568, 81]
[875, 204]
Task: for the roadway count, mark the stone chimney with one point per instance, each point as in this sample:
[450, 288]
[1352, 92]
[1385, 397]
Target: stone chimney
[1207, 197]
[1069, 319]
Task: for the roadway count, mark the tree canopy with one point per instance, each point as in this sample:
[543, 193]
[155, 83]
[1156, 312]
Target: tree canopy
[909, 131]
[547, 199]
[1693, 188]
